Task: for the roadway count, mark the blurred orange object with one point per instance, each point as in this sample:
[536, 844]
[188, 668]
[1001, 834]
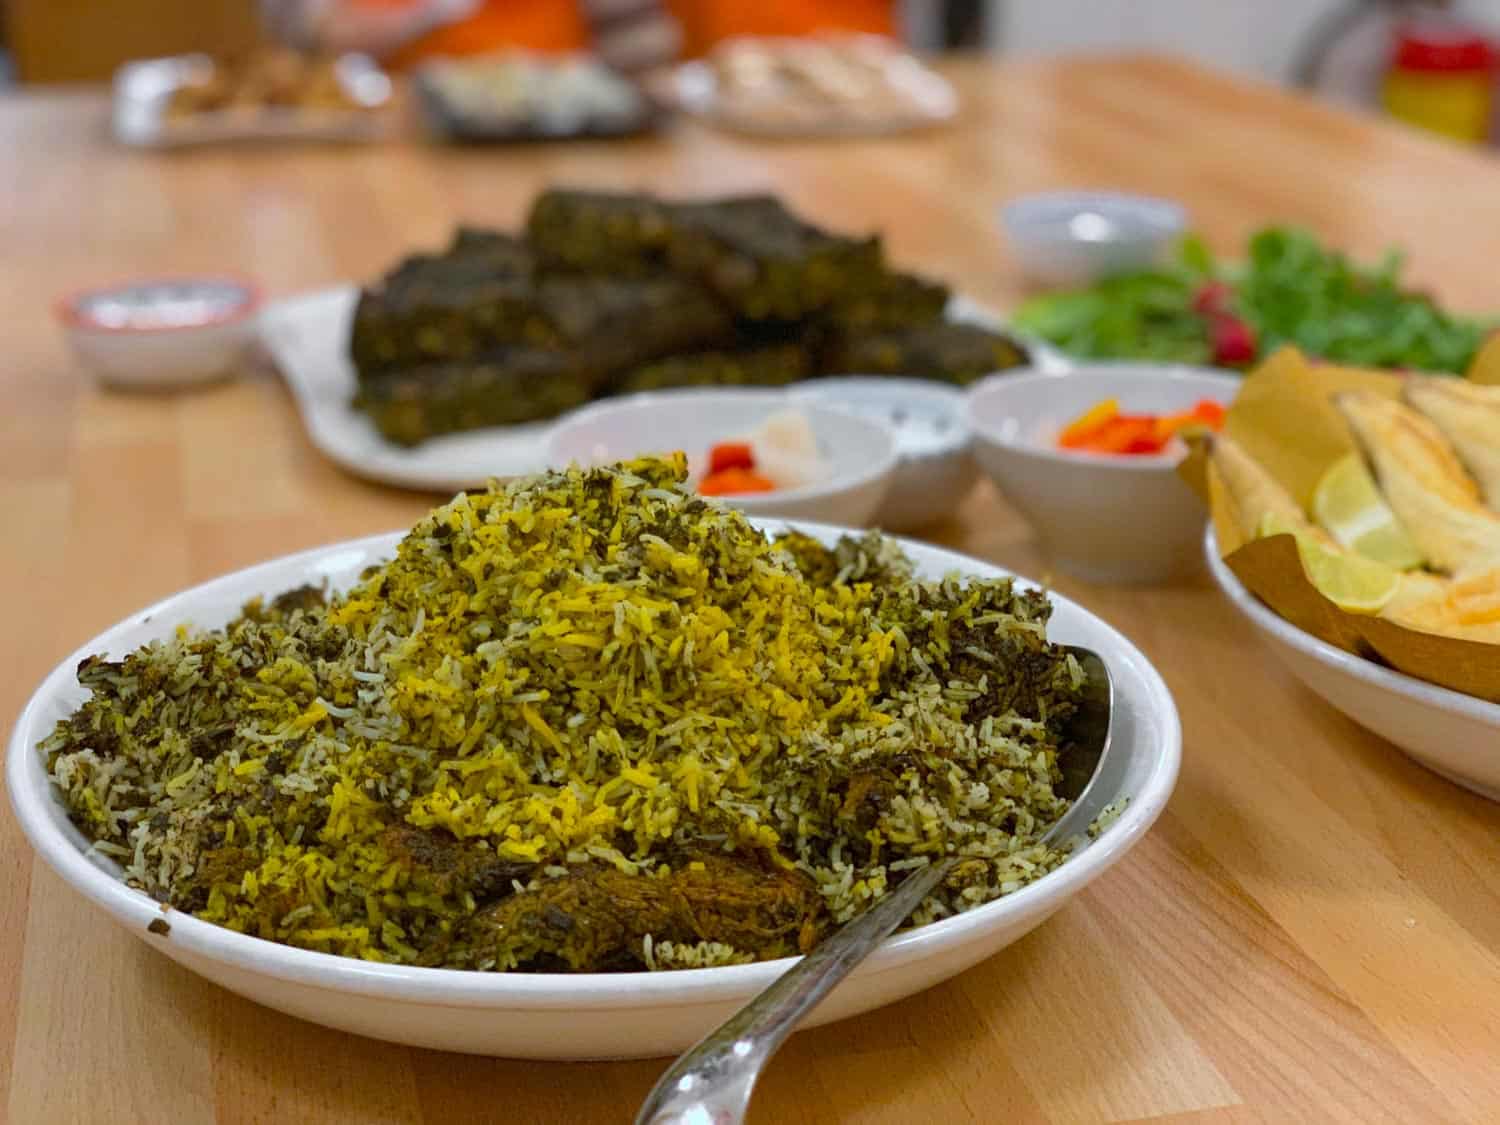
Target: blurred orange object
[532, 25]
[563, 25]
[1103, 429]
[706, 23]
[734, 482]
[1080, 430]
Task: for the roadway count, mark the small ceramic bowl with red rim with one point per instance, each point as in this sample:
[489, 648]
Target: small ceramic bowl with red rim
[165, 333]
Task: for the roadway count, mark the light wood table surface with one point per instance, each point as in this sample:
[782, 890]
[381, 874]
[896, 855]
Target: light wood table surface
[1312, 931]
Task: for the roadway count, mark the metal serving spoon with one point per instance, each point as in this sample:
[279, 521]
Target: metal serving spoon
[712, 1082]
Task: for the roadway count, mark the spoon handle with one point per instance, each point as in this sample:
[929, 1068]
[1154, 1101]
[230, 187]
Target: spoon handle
[711, 1084]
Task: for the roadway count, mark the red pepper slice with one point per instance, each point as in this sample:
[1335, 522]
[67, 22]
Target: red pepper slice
[1210, 413]
[1128, 433]
[730, 455]
[1103, 429]
[733, 481]
[1078, 433]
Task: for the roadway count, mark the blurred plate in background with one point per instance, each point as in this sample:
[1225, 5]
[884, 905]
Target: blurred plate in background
[827, 86]
[142, 113]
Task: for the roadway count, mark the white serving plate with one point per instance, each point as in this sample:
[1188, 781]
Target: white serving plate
[694, 88]
[308, 339]
[142, 89]
[1450, 733]
[569, 1016]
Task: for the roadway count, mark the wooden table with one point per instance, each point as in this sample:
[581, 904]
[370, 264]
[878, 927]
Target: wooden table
[1311, 932]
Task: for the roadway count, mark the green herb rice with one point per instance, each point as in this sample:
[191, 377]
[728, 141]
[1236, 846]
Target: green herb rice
[585, 721]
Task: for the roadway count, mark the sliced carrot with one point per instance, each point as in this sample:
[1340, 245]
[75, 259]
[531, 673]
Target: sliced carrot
[1076, 434]
[1169, 424]
[733, 481]
[1206, 415]
[1127, 434]
[1103, 429]
[1210, 413]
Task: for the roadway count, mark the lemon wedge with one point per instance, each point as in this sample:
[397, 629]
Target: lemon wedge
[1349, 506]
[1352, 582]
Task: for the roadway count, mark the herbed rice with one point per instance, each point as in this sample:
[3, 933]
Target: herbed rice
[582, 721]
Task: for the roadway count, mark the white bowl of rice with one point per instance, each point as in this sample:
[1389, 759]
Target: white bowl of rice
[568, 1015]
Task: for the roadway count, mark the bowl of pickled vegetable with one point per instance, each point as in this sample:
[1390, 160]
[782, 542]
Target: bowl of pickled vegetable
[1089, 457]
[756, 449]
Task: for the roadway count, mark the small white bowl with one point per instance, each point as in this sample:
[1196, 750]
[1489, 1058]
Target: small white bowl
[161, 334]
[1102, 518]
[562, 1015]
[935, 467]
[860, 453]
[1073, 238]
[1455, 735]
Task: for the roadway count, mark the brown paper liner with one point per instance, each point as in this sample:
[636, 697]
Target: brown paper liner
[1284, 417]
[1486, 366]
[1471, 667]
[1271, 569]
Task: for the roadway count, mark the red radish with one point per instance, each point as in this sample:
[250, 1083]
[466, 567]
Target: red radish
[1234, 340]
[1212, 298]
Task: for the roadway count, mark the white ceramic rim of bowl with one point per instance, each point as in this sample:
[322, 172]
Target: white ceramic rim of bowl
[70, 306]
[1164, 216]
[1129, 462]
[824, 392]
[880, 466]
[1376, 675]
[823, 385]
[582, 991]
